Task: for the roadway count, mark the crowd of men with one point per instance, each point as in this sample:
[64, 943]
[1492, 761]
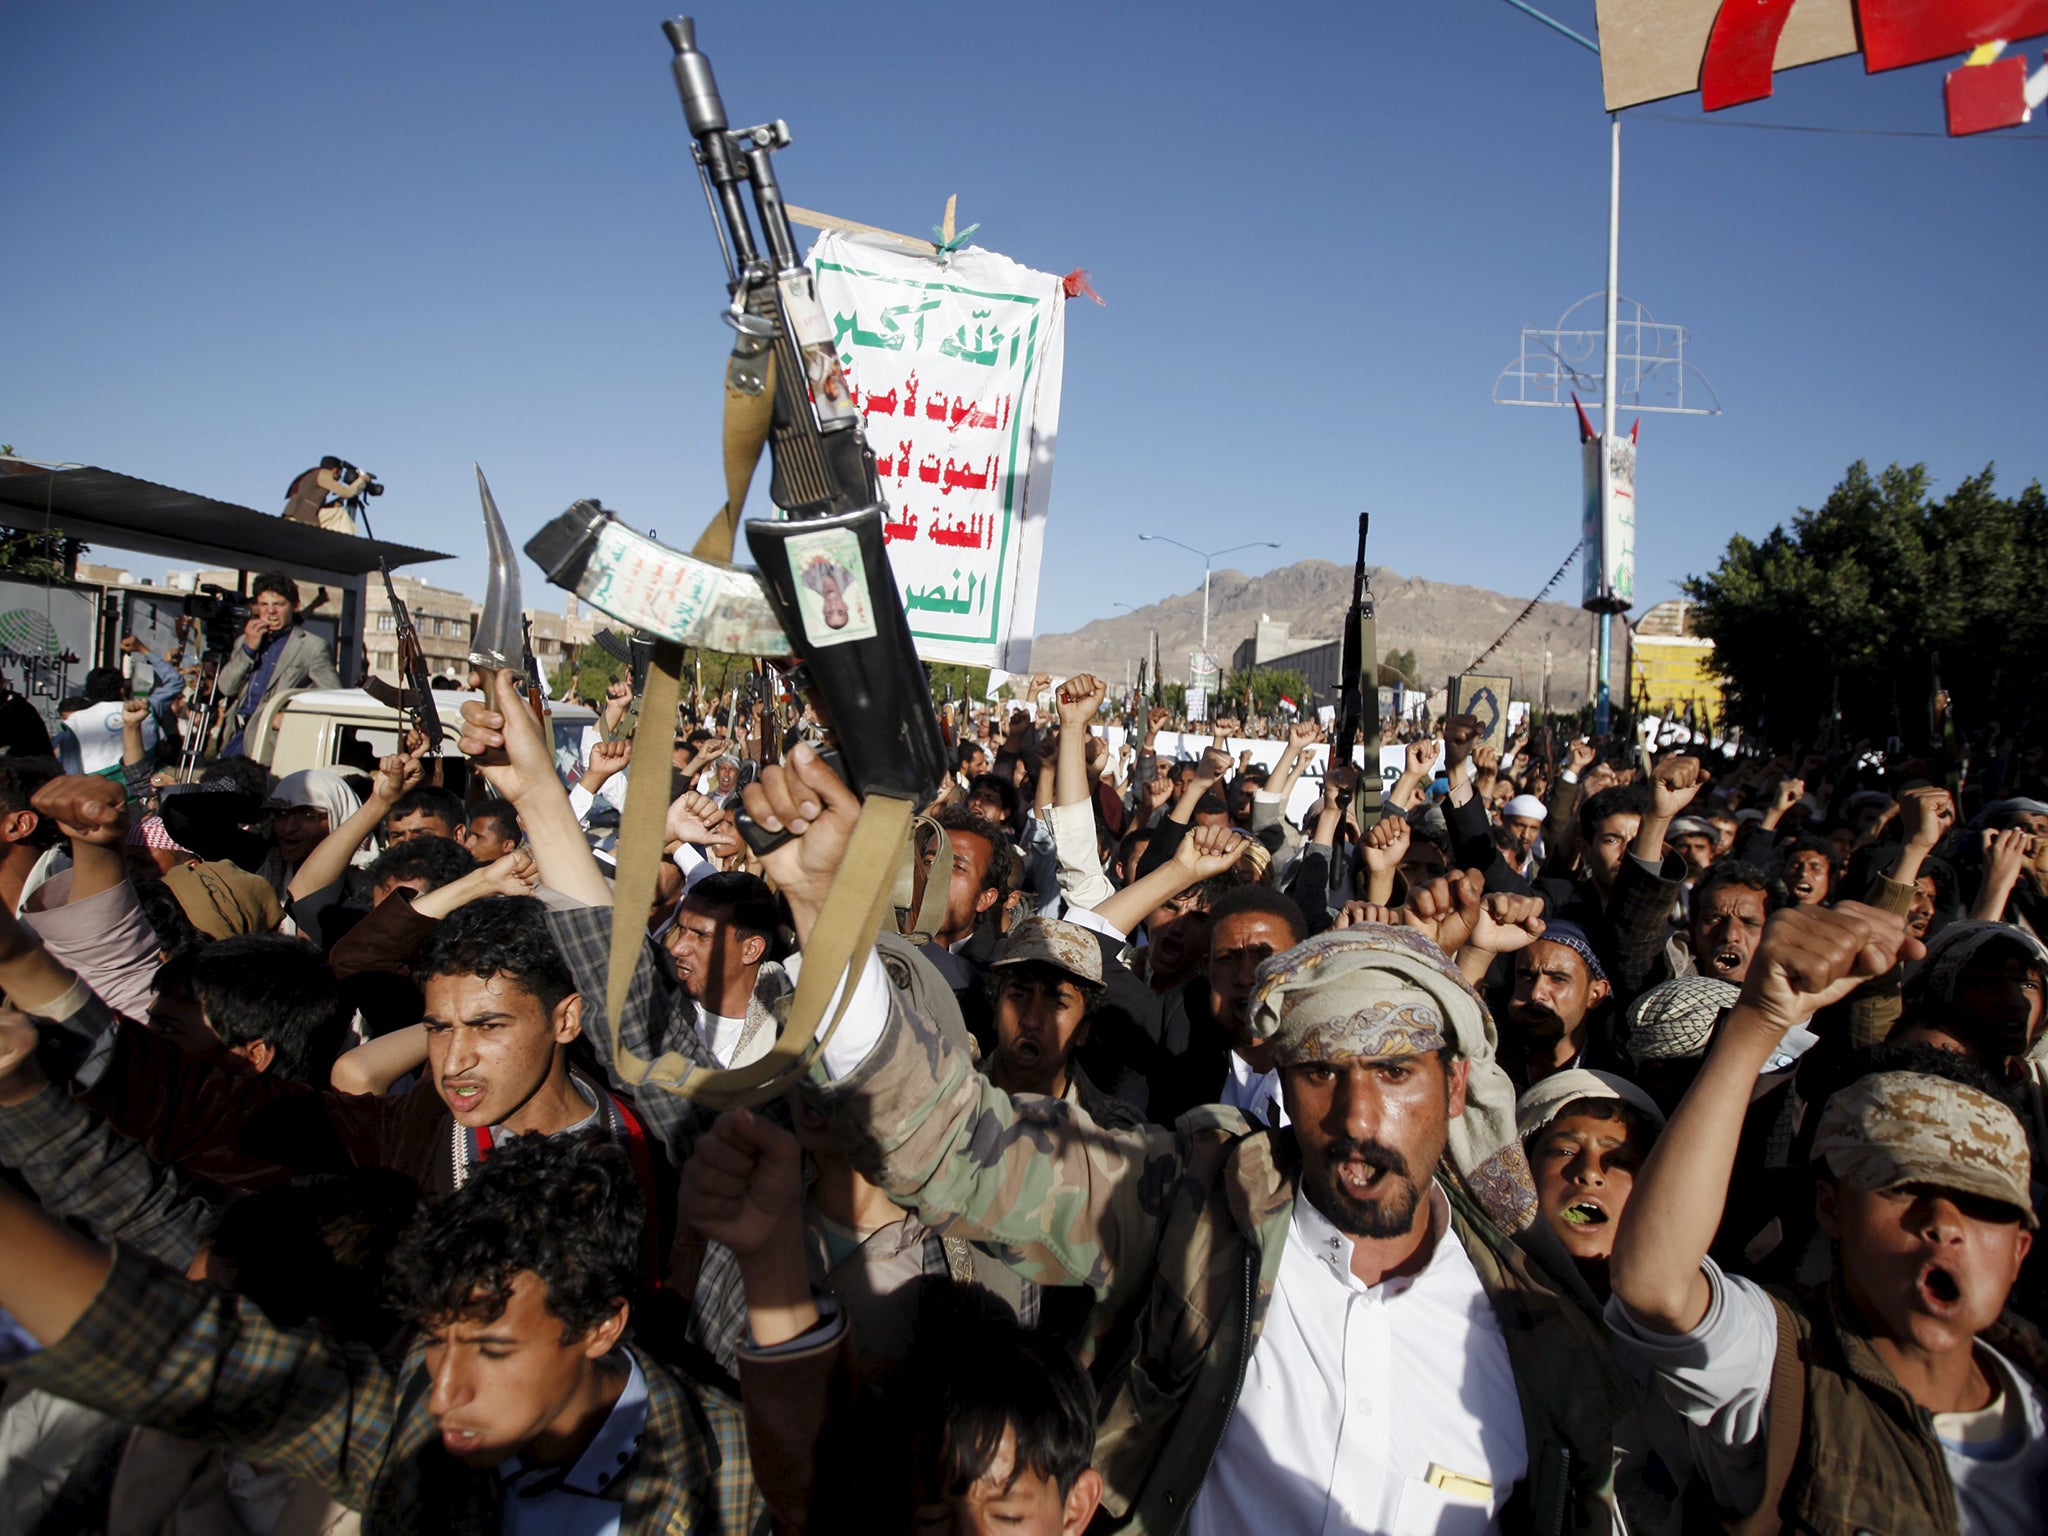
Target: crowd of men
[1564, 1139]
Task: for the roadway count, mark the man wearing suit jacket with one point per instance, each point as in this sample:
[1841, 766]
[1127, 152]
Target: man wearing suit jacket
[275, 657]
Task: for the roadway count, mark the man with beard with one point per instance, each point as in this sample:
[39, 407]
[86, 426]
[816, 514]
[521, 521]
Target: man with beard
[1913, 1404]
[1330, 1324]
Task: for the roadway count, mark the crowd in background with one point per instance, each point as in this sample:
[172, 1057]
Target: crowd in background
[1556, 1136]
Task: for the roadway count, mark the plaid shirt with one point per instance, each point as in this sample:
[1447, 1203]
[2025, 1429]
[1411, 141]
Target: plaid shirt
[658, 1017]
[80, 1167]
[157, 1350]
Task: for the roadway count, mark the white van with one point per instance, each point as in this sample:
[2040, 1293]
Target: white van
[347, 730]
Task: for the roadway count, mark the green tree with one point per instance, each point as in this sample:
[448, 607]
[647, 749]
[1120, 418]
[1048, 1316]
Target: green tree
[587, 673]
[1865, 602]
[964, 682]
[38, 556]
[1403, 662]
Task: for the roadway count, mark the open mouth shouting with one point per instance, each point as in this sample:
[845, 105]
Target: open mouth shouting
[1586, 1213]
[1727, 963]
[1937, 1292]
[464, 1097]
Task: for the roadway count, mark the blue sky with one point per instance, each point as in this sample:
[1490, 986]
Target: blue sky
[243, 235]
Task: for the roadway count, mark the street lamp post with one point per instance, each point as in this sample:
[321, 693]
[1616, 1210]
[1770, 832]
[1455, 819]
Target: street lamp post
[1207, 557]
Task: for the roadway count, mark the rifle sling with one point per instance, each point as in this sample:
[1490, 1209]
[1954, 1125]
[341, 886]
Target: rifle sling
[862, 886]
[747, 420]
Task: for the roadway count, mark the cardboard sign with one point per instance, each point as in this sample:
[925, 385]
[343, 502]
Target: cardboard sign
[1650, 49]
[1486, 698]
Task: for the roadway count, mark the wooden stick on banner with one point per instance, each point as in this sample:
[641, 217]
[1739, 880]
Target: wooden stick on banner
[810, 218]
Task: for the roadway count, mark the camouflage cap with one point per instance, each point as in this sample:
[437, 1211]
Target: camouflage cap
[1047, 941]
[1896, 1128]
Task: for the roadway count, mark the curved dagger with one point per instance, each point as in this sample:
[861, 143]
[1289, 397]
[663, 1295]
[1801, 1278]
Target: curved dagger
[500, 642]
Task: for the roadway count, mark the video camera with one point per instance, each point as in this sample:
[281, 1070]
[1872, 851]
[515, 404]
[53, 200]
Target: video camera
[372, 486]
[221, 613]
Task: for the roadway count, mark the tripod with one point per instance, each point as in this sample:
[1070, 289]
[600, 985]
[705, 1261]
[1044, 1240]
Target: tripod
[201, 727]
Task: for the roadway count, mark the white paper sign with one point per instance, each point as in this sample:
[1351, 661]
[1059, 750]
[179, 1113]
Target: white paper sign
[956, 373]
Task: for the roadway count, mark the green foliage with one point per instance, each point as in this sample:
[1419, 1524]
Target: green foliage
[1174, 697]
[1266, 686]
[1857, 603]
[965, 682]
[1403, 662]
[588, 673]
[39, 556]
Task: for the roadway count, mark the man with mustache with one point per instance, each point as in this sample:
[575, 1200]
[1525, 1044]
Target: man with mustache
[1330, 1323]
[1560, 985]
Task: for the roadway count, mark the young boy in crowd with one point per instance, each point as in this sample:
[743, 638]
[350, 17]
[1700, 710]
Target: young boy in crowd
[520, 1388]
[1896, 1397]
[1586, 1134]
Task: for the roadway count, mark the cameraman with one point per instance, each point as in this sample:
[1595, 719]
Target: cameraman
[275, 657]
[322, 496]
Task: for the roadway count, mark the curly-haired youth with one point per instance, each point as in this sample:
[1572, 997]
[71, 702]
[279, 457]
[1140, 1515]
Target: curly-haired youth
[499, 936]
[564, 1208]
[434, 861]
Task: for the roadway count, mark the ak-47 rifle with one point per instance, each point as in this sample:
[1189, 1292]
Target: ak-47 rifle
[1358, 707]
[826, 558]
[823, 566]
[415, 691]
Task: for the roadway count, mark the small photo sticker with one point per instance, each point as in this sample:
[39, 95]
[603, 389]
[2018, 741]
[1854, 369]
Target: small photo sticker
[831, 587]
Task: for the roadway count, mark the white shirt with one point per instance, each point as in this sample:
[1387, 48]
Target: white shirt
[1354, 1394]
[1256, 1093]
[722, 1037]
[542, 1501]
[1717, 1380]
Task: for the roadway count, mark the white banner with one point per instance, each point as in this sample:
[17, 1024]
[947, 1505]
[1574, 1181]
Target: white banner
[1607, 524]
[956, 372]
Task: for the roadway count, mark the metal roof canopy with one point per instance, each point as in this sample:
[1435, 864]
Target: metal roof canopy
[102, 507]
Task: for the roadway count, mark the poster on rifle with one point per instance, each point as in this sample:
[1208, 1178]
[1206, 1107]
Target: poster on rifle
[955, 370]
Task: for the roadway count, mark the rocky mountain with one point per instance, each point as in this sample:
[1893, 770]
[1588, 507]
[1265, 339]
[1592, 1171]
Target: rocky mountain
[1444, 624]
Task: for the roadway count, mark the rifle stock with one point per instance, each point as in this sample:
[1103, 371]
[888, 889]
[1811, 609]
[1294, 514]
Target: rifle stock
[412, 667]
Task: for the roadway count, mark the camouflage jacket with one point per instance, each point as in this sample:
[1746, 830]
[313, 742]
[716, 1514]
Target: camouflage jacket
[1179, 1233]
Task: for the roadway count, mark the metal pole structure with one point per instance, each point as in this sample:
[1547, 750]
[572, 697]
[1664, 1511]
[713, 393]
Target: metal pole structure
[1608, 386]
[1207, 556]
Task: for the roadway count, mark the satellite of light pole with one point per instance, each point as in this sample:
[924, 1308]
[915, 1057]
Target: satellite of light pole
[1566, 361]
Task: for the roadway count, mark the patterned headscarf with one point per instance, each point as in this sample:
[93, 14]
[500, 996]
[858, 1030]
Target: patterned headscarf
[1379, 990]
[150, 832]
